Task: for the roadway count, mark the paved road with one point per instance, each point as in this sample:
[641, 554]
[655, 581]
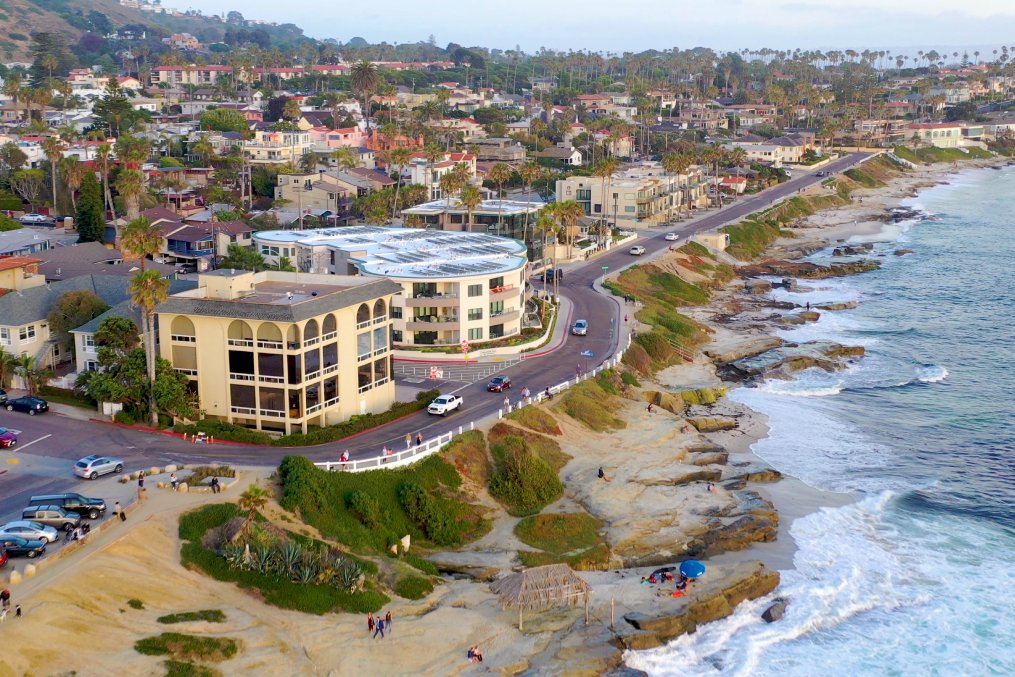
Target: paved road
[49, 443]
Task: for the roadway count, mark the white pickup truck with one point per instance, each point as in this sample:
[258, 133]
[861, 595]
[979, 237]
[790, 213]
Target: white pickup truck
[444, 405]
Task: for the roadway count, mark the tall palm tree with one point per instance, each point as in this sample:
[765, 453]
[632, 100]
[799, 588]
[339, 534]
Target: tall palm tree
[132, 151]
[605, 171]
[547, 225]
[345, 157]
[203, 149]
[569, 213]
[364, 80]
[397, 157]
[53, 148]
[140, 239]
[12, 88]
[530, 173]
[251, 502]
[7, 365]
[104, 163]
[33, 375]
[500, 174]
[470, 198]
[147, 290]
[73, 172]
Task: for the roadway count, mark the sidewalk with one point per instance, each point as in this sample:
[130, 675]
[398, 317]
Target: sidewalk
[70, 411]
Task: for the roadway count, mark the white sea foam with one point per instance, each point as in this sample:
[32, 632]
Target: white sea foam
[894, 592]
[931, 373]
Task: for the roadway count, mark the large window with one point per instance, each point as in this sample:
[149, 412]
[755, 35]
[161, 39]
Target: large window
[475, 290]
[496, 282]
[475, 313]
[27, 334]
[363, 345]
[496, 308]
[396, 312]
[5, 336]
[476, 334]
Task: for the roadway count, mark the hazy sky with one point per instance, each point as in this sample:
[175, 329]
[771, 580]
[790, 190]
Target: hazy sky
[633, 25]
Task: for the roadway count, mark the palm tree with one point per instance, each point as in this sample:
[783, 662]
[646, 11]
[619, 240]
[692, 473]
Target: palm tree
[332, 100]
[73, 172]
[53, 147]
[251, 502]
[397, 157]
[308, 162]
[33, 375]
[104, 163]
[605, 170]
[530, 173]
[470, 197]
[500, 174]
[569, 213]
[203, 149]
[147, 290]
[547, 225]
[345, 157]
[12, 88]
[132, 151]
[7, 366]
[364, 80]
[140, 239]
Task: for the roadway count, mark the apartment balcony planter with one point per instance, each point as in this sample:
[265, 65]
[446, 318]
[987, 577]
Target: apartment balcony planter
[437, 323]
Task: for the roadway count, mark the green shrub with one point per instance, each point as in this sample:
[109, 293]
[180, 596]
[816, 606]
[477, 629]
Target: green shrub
[522, 481]
[365, 508]
[429, 514]
[592, 406]
[8, 224]
[210, 615]
[413, 587]
[203, 472]
[630, 379]
[224, 431]
[467, 453]
[542, 446]
[135, 603]
[187, 647]
[536, 419]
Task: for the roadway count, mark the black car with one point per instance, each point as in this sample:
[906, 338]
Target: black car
[28, 404]
[53, 516]
[91, 508]
[15, 545]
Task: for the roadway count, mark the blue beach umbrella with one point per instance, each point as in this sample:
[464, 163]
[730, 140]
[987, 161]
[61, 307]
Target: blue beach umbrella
[692, 568]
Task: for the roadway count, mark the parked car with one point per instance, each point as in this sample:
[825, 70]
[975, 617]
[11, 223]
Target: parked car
[91, 508]
[580, 327]
[15, 545]
[30, 530]
[671, 237]
[3, 396]
[637, 250]
[93, 466]
[499, 384]
[52, 515]
[444, 405]
[7, 438]
[28, 404]
[821, 174]
[33, 217]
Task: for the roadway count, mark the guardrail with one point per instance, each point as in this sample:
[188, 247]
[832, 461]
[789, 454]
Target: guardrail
[415, 453]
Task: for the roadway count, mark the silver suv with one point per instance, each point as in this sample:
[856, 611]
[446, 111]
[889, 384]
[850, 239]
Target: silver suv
[93, 466]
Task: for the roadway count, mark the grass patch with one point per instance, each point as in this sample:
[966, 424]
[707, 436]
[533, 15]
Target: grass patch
[72, 398]
[932, 154]
[524, 482]
[467, 453]
[544, 447]
[630, 379]
[571, 538]
[535, 419]
[210, 615]
[135, 604]
[591, 405]
[413, 587]
[314, 599]
[323, 500]
[426, 566]
[188, 647]
[188, 669]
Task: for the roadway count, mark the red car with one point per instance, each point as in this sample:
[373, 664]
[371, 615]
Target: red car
[499, 384]
[7, 438]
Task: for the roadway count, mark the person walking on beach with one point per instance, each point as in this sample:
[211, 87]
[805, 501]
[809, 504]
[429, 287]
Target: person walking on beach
[602, 474]
[370, 621]
[387, 621]
[379, 628]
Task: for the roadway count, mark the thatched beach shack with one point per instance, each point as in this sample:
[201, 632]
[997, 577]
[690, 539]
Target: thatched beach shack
[542, 587]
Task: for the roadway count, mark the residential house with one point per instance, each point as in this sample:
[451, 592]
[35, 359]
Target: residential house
[89, 258]
[270, 147]
[18, 273]
[564, 153]
[506, 218]
[281, 351]
[499, 149]
[325, 137]
[30, 241]
[189, 75]
[939, 134]
[182, 41]
[421, 171]
[319, 192]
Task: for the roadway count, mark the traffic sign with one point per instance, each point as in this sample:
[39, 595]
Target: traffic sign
[606, 267]
[587, 353]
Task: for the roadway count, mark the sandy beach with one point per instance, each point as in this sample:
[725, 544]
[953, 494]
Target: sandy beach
[674, 489]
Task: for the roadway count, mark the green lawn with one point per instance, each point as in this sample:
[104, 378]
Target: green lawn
[572, 538]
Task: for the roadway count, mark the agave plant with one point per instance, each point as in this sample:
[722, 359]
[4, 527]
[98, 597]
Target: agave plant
[233, 554]
[348, 575]
[306, 572]
[263, 559]
[290, 555]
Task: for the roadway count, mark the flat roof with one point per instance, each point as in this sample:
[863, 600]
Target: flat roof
[411, 253]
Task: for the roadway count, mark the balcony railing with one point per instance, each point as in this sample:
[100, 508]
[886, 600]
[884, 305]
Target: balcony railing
[312, 341]
[330, 369]
[330, 335]
[273, 413]
[363, 325]
[381, 319]
[246, 411]
[241, 377]
[183, 338]
[275, 345]
[243, 343]
[188, 372]
[270, 379]
[311, 375]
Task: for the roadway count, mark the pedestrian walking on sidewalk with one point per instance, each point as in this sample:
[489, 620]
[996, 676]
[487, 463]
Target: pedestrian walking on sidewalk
[408, 440]
[419, 438]
[118, 511]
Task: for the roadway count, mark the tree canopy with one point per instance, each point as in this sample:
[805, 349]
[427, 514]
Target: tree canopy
[91, 220]
[242, 258]
[224, 120]
[72, 310]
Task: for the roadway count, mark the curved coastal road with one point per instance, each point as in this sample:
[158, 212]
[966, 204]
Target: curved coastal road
[58, 437]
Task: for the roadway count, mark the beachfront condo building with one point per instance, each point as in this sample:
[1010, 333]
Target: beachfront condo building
[280, 351]
[456, 286]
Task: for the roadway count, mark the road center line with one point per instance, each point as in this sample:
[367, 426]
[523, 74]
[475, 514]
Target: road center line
[22, 446]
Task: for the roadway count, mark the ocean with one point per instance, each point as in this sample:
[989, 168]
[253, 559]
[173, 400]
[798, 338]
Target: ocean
[917, 577]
